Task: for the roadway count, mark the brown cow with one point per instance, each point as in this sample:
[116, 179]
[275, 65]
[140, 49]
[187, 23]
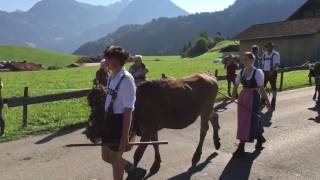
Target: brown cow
[166, 103]
[175, 104]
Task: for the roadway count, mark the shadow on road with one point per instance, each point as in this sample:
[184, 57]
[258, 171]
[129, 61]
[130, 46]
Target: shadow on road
[222, 106]
[266, 119]
[239, 168]
[193, 170]
[316, 108]
[62, 132]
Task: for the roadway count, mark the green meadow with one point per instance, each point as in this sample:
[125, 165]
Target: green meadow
[49, 117]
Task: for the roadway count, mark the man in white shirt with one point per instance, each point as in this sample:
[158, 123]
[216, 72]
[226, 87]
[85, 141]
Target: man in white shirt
[257, 62]
[120, 101]
[271, 63]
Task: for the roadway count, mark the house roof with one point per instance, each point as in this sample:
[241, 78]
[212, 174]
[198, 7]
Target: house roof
[281, 29]
[24, 66]
[309, 5]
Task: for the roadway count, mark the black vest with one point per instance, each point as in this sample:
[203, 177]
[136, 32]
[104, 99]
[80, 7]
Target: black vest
[252, 83]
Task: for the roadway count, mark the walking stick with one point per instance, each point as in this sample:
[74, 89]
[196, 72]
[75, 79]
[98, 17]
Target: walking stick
[226, 96]
[111, 144]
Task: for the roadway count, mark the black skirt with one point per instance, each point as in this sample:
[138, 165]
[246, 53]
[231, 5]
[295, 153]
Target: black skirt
[112, 130]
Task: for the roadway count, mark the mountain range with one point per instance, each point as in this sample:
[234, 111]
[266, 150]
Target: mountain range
[168, 35]
[63, 25]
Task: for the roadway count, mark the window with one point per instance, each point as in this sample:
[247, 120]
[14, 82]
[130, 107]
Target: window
[317, 12]
[308, 14]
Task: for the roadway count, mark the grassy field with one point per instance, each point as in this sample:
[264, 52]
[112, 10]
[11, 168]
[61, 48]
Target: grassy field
[223, 44]
[54, 116]
[46, 58]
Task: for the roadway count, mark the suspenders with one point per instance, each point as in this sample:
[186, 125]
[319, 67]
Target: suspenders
[113, 93]
[271, 59]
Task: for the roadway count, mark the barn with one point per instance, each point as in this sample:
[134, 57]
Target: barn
[297, 38]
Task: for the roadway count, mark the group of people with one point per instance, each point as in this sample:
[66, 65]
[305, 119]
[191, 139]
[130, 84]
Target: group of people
[138, 70]
[254, 77]
[121, 96]
[269, 63]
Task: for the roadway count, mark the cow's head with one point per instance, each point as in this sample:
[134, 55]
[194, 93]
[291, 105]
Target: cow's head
[96, 97]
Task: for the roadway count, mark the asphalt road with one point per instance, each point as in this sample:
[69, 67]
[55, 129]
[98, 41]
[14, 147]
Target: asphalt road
[292, 150]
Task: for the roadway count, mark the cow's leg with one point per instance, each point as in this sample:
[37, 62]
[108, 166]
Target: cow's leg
[140, 150]
[203, 133]
[214, 119]
[315, 91]
[318, 90]
[157, 159]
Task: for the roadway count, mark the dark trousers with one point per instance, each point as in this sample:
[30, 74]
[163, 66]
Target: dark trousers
[272, 79]
[229, 86]
[112, 130]
[2, 125]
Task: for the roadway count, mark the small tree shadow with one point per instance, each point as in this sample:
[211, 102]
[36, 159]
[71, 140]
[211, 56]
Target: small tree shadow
[193, 170]
[62, 132]
[239, 168]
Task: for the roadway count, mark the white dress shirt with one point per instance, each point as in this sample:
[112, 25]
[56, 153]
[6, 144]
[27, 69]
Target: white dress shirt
[267, 60]
[126, 97]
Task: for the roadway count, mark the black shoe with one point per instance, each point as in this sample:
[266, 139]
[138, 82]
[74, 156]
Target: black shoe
[136, 174]
[260, 141]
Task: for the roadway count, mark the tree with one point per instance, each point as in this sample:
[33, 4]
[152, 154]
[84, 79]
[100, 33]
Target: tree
[203, 34]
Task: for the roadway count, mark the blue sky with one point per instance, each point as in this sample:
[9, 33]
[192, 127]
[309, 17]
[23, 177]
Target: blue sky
[189, 5]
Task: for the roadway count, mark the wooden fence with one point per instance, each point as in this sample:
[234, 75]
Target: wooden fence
[281, 71]
[27, 100]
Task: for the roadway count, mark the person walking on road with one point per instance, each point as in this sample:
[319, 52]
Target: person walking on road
[119, 105]
[271, 64]
[249, 125]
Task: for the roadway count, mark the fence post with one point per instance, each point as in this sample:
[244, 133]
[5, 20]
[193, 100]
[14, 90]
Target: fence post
[2, 123]
[25, 108]
[310, 80]
[216, 73]
[281, 79]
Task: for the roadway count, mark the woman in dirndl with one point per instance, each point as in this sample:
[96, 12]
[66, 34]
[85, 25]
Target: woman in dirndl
[249, 125]
[139, 70]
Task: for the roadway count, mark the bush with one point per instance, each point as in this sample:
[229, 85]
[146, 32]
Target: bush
[85, 59]
[201, 46]
[55, 67]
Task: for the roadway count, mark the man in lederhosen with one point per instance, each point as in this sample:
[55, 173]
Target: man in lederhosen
[271, 63]
[121, 97]
[255, 51]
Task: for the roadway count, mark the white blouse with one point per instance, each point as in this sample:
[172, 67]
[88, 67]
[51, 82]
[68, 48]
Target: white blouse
[259, 77]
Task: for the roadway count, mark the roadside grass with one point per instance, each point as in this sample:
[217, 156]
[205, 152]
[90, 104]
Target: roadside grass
[49, 117]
